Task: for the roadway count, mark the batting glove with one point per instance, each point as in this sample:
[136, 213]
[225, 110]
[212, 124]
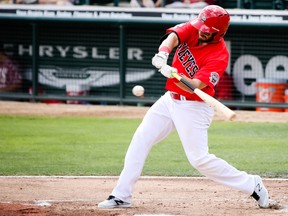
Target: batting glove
[160, 59]
[167, 70]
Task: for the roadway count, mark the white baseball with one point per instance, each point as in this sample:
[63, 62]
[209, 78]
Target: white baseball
[138, 90]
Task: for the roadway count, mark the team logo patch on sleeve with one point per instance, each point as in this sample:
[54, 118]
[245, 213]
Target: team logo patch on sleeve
[214, 78]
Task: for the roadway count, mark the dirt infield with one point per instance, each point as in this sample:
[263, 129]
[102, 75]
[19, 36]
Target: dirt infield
[153, 196]
[16, 108]
[42, 109]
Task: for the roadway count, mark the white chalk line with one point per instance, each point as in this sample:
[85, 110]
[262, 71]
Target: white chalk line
[116, 177]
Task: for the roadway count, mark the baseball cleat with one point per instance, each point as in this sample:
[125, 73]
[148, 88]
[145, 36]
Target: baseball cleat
[260, 193]
[113, 202]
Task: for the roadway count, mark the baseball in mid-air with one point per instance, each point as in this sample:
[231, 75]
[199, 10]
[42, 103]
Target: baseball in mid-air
[138, 90]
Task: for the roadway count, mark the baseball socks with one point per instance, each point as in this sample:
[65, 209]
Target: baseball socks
[113, 202]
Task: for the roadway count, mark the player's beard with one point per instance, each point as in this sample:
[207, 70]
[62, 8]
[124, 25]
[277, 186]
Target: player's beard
[203, 38]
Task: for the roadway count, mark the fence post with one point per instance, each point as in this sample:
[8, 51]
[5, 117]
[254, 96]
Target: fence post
[122, 62]
[35, 63]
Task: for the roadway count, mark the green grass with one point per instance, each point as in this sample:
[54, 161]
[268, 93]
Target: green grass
[97, 146]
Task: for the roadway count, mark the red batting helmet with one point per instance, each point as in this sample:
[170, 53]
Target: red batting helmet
[213, 19]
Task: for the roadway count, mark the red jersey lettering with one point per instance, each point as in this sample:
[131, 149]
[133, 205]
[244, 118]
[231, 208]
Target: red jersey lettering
[206, 62]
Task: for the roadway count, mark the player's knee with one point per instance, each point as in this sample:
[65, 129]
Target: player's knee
[197, 164]
[202, 163]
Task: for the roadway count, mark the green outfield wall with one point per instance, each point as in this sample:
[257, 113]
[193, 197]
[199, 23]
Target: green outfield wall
[102, 52]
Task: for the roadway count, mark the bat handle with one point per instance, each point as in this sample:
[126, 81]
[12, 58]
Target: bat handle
[185, 82]
[176, 75]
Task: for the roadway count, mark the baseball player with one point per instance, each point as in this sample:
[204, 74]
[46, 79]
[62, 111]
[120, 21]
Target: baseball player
[201, 57]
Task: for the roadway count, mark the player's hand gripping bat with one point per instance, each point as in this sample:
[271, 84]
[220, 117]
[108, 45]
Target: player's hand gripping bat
[215, 104]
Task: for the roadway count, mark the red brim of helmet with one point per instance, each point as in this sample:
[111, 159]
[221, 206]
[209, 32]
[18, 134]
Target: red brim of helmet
[198, 24]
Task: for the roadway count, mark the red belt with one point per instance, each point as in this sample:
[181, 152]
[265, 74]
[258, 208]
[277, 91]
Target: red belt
[177, 96]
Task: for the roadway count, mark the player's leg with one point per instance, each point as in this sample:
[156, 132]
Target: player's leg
[192, 126]
[155, 126]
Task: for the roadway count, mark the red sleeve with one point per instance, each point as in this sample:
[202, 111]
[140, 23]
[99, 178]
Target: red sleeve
[186, 33]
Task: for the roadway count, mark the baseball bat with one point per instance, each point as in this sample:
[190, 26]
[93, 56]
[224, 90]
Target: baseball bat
[212, 102]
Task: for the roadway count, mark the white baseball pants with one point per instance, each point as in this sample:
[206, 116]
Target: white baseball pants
[191, 119]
